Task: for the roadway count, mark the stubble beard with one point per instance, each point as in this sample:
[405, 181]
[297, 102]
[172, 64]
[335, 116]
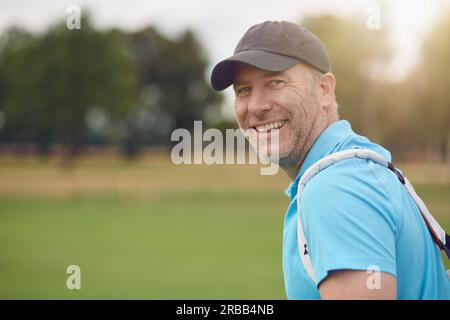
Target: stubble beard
[299, 138]
[292, 158]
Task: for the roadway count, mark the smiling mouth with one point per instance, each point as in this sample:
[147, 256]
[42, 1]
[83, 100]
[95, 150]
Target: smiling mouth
[270, 126]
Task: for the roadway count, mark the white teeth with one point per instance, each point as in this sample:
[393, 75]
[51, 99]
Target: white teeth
[270, 126]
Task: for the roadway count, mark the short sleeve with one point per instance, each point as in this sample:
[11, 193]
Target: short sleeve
[348, 220]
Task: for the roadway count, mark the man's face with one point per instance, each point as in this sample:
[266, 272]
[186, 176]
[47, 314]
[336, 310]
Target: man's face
[285, 100]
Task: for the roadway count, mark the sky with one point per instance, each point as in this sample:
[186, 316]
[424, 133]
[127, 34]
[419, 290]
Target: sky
[220, 24]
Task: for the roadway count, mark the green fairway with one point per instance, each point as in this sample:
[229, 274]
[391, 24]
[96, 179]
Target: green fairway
[197, 245]
[134, 242]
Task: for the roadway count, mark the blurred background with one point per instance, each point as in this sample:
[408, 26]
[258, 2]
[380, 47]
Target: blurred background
[86, 117]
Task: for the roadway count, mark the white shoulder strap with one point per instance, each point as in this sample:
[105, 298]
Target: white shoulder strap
[436, 231]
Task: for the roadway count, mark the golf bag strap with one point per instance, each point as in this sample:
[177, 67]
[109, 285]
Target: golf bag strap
[438, 234]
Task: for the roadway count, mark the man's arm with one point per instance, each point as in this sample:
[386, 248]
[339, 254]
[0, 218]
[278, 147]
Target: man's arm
[351, 284]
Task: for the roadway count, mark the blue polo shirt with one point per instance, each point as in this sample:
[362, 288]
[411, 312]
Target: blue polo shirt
[356, 215]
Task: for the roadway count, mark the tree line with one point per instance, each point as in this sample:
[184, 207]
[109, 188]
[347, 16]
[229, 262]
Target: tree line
[95, 87]
[80, 87]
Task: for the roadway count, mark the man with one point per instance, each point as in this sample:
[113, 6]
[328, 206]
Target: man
[356, 215]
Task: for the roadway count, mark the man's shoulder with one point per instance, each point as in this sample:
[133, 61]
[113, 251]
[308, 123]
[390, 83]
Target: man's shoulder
[354, 169]
[352, 182]
[348, 193]
[349, 172]
[351, 169]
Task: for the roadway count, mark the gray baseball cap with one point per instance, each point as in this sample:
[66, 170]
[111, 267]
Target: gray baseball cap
[272, 46]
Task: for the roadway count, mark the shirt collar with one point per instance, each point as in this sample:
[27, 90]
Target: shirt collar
[323, 146]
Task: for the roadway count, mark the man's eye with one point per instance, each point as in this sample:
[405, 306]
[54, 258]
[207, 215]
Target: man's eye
[242, 91]
[276, 83]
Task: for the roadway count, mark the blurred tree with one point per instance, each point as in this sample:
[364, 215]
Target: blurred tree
[16, 48]
[430, 81]
[172, 77]
[356, 53]
[50, 82]
[410, 115]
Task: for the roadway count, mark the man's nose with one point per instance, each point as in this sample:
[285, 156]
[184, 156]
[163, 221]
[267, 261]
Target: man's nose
[258, 103]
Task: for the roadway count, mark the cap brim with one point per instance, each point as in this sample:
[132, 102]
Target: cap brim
[222, 75]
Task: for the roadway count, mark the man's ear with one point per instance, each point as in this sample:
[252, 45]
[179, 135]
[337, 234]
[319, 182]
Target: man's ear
[327, 85]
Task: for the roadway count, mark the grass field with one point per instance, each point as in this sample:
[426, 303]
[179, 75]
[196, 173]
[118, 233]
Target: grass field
[148, 229]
